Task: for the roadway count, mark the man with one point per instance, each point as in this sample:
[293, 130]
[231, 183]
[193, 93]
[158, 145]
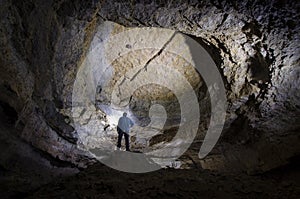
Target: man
[123, 128]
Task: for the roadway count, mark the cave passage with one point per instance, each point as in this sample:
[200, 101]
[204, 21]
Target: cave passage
[158, 82]
[212, 88]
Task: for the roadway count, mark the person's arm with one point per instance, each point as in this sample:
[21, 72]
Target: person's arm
[118, 126]
[131, 123]
[119, 121]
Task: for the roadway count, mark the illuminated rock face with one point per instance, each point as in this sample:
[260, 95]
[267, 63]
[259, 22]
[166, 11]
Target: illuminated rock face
[256, 49]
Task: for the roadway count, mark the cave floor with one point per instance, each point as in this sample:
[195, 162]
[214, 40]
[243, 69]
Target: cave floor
[25, 177]
[99, 181]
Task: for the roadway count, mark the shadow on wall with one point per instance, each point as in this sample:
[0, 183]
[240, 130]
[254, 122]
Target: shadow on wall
[8, 115]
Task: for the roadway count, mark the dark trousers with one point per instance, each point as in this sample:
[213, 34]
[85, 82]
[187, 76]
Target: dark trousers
[121, 133]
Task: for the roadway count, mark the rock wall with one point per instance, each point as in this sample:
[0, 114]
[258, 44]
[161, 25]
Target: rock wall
[42, 44]
[255, 44]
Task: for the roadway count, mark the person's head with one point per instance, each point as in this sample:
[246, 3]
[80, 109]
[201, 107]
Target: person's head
[124, 114]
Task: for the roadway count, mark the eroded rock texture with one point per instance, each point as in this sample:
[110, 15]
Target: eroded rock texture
[255, 45]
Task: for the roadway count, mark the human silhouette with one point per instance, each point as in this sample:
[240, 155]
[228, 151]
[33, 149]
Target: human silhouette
[123, 128]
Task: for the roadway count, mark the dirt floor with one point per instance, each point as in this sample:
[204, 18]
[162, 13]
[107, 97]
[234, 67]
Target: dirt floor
[99, 181]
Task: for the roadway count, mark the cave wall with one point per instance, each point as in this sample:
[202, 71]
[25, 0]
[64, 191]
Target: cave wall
[255, 45]
[42, 44]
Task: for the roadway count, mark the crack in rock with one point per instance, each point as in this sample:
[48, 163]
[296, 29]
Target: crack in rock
[154, 56]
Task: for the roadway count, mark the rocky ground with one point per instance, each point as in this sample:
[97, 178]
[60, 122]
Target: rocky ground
[99, 181]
